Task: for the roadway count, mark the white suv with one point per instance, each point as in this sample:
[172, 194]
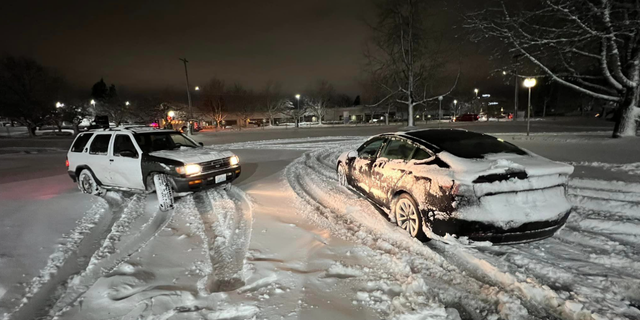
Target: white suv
[145, 159]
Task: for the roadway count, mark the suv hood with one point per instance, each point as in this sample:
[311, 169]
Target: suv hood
[188, 155]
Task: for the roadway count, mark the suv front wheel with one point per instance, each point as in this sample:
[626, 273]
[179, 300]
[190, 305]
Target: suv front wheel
[87, 184]
[164, 192]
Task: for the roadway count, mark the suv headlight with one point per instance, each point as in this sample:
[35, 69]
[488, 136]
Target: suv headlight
[189, 169]
[234, 160]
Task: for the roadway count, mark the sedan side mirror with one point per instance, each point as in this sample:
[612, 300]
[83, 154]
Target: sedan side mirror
[352, 154]
[201, 144]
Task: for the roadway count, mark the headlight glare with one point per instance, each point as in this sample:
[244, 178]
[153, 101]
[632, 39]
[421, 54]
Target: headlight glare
[189, 169]
[234, 160]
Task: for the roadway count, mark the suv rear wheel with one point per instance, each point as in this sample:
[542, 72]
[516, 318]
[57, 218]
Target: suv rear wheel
[164, 192]
[87, 184]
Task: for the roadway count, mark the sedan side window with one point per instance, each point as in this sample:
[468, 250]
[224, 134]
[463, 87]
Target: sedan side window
[123, 146]
[100, 144]
[398, 149]
[421, 154]
[370, 149]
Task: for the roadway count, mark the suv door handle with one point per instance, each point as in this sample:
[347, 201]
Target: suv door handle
[110, 160]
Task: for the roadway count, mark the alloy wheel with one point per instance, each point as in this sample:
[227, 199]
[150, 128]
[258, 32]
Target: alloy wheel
[407, 216]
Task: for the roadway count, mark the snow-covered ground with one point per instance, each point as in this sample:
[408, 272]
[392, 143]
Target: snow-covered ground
[289, 243]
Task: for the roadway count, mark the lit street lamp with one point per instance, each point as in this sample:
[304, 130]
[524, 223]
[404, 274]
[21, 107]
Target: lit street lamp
[298, 117]
[127, 103]
[476, 91]
[529, 83]
[197, 88]
[171, 114]
[59, 105]
[440, 110]
[455, 107]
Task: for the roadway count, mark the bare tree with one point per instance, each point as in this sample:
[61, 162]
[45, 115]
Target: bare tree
[318, 97]
[28, 91]
[273, 99]
[293, 111]
[242, 102]
[213, 102]
[592, 46]
[406, 53]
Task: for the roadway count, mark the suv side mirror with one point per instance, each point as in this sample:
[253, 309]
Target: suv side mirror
[352, 154]
[128, 154]
[201, 144]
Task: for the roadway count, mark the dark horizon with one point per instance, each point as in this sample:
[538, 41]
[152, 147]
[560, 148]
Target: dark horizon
[137, 46]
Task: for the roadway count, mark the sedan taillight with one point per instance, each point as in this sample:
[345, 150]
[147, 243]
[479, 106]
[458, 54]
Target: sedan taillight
[66, 162]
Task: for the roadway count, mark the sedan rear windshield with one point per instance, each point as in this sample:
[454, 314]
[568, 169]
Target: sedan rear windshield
[466, 144]
[157, 141]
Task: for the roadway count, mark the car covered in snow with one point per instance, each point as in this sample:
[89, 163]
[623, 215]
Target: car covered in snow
[143, 159]
[447, 181]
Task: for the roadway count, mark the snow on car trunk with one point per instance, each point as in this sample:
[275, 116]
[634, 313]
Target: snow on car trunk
[511, 189]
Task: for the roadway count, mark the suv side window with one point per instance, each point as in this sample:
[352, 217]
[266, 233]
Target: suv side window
[397, 149]
[100, 144]
[370, 149]
[81, 142]
[123, 146]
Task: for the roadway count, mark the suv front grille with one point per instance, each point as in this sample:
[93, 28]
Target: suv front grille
[215, 165]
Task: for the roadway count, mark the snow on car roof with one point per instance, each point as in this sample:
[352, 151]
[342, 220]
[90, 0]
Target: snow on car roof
[134, 129]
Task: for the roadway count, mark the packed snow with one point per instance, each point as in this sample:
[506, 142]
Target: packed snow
[291, 243]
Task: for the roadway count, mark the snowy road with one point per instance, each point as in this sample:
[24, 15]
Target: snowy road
[290, 243]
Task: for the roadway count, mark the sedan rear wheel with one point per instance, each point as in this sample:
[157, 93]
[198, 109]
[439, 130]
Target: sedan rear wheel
[408, 216]
[342, 175]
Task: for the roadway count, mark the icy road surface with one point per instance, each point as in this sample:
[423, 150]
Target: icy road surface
[289, 243]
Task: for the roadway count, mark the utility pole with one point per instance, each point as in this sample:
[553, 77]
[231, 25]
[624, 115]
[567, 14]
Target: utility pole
[186, 74]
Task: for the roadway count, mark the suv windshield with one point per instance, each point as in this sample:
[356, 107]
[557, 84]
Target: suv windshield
[466, 144]
[156, 141]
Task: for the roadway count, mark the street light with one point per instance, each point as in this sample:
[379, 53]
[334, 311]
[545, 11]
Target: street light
[93, 102]
[504, 73]
[59, 105]
[298, 117]
[440, 110]
[529, 83]
[197, 88]
[476, 91]
[171, 114]
[127, 103]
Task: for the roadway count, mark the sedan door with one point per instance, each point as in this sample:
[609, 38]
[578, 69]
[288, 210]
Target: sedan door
[389, 168]
[360, 168]
[125, 163]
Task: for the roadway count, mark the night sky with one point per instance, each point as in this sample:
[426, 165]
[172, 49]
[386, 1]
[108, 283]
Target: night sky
[136, 44]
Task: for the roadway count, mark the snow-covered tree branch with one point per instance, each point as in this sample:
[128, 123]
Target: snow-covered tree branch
[591, 46]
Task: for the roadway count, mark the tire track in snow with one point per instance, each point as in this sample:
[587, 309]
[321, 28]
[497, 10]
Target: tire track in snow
[132, 232]
[71, 258]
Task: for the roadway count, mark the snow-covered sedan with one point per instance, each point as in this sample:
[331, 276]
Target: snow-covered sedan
[446, 181]
[143, 159]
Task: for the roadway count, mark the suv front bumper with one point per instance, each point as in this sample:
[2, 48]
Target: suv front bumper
[205, 181]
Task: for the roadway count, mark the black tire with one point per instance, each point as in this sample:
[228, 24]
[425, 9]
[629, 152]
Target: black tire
[407, 214]
[164, 192]
[88, 184]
